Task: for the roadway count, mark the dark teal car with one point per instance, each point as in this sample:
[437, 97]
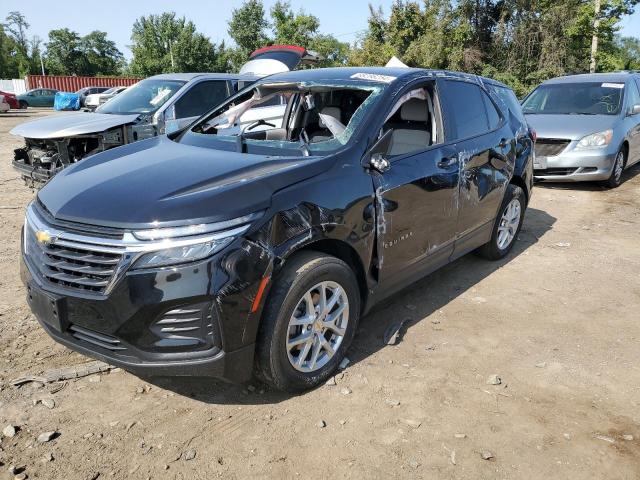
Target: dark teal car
[38, 97]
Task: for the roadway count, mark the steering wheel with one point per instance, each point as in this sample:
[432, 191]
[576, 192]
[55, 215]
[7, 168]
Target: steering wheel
[259, 123]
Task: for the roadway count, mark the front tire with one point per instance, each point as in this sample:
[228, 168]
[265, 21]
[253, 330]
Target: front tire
[308, 323]
[23, 104]
[618, 167]
[507, 225]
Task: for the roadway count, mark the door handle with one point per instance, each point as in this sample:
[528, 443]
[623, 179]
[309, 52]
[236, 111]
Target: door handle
[448, 162]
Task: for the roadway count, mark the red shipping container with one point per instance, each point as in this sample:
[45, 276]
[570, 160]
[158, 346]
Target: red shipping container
[73, 84]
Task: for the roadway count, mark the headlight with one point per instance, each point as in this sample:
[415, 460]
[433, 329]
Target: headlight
[183, 254]
[596, 140]
[160, 247]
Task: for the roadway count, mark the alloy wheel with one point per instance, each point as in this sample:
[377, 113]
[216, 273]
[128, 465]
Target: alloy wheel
[509, 223]
[317, 326]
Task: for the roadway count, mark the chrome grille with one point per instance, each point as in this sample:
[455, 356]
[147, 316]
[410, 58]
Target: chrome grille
[550, 147]
[74, 265]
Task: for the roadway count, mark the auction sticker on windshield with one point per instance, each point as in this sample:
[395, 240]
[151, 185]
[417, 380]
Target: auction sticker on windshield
[612, 85]
[374, 76]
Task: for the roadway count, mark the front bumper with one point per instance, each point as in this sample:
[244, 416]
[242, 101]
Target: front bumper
[123, 328]
[575, 165]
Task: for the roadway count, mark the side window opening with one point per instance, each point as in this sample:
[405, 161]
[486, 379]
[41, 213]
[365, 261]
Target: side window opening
[509, 101]
[200, 98]
[492, 114]
[465, 102]
[415, 121]
[634, 96]
[311, 114]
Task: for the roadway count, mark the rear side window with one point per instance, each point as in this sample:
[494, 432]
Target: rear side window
[466, 104]
[634, 95]
[509, 100]
[492, 114]
[201, 98]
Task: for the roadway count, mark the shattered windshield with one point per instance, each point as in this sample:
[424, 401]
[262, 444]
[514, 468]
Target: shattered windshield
[146, 96]
[307, 116]
[587, 98]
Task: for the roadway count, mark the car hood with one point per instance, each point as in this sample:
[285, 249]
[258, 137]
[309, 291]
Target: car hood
[71, 124]
[158, 182]
[572, 127]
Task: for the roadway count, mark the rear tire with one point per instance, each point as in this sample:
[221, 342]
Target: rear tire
[294, 313]
[618, 168]
[507, 225]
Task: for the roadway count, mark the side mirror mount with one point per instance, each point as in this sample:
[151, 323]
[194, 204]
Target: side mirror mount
[376, 157]
[170, 113]
[635, 109]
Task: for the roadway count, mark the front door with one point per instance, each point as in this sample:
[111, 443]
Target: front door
[416, 198]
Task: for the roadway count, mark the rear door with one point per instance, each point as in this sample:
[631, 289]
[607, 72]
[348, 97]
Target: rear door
[416, 200]
[486, 152]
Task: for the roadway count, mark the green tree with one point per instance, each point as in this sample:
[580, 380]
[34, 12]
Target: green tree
[520, 42]
[101, 55]
[166, 43]
[628, 50]
[291, 28]
[248, 26]
[8, 64]
[25, 51]
[70, 54]
[64, 55]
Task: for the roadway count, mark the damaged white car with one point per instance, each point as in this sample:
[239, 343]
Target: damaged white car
[154, 106]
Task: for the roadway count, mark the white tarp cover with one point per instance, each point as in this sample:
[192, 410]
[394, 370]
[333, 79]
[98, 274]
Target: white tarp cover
[396, 63]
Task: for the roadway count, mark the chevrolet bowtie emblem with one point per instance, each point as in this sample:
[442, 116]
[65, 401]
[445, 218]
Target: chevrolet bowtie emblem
[44, 237]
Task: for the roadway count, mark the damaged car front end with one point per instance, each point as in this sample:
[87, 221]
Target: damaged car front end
[145, 110]
[253, 240]
[42, 158]
[154, 106]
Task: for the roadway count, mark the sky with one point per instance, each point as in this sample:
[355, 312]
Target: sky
[341, 18]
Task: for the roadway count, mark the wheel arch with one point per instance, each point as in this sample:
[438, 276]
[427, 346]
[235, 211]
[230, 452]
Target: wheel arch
[342, 250]
[625, 146]
[519, 181]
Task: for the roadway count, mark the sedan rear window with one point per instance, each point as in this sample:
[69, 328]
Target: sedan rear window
[586, 98]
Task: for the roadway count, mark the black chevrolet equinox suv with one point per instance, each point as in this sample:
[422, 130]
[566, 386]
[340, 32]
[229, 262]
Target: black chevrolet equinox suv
[253, 240]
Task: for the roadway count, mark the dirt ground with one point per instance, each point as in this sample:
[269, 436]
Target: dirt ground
[557, 321]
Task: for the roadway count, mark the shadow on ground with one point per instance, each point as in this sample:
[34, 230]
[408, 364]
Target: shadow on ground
[435, 290]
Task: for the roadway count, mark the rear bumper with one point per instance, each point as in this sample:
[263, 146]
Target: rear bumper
[577, 166]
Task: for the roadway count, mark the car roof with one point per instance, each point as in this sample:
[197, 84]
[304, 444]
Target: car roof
[346, 73]
[187, 77]
[593, 77]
